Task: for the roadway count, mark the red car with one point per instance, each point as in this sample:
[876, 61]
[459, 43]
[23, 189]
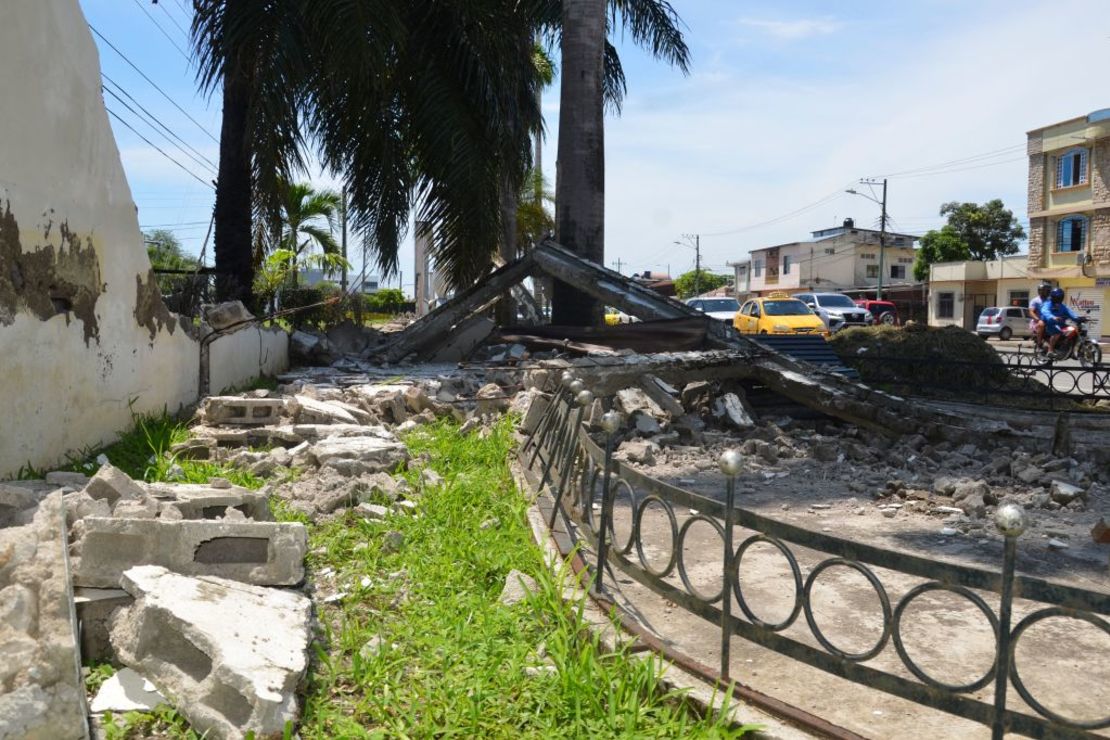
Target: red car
[882, 312]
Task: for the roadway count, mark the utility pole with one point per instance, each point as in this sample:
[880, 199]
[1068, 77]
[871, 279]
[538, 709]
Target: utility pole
[882, 243]
[697, 264]
[882, 228]
[343, 217]
[618, 263]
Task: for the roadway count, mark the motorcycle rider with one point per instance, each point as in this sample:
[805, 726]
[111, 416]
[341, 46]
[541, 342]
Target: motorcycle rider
[1055, 314]
[1036, 323]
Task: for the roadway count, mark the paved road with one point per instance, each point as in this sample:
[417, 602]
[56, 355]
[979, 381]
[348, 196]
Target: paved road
[1077, 382]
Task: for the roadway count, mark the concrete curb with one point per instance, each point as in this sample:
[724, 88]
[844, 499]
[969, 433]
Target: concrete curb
[705, 697]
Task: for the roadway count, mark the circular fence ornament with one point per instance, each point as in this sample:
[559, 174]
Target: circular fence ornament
[1010, 520]
[566, 378]
[576, 386]
[730, 461]
[584, 398]
[610, 422]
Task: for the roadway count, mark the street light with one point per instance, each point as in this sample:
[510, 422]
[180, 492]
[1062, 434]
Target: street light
[697, 259]
[882, 227]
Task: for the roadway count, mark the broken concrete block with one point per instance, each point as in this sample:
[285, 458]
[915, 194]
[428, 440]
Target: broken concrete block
[630, 400]
[80, 505]
[126, 691]
[645, 424]
[733, 409]
[462, 339]
[696, 396]
[311, 411]
[662, 394]
[136, 508]
[347, 338]
[112, 484]
[94, 609]
[226, 315]
[518, 586]
[639, 451]
[416, 400]
[228, 655]
[264, 553]
[304, 345]
[376, 453]
[41, 689]
[238, 410]
[204, 501]
[14, 500]
[1064, 493]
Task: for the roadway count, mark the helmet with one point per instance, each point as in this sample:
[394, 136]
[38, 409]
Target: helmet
[1057, 294]
[1043, 289]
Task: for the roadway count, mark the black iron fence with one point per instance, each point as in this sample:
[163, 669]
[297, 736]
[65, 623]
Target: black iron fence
[586, 482]
[1016, 379]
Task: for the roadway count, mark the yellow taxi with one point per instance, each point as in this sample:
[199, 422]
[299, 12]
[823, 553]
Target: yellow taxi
[778, 313]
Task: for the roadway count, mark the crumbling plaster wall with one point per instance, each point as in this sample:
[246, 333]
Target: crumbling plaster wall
[245, 354]
[85, 340]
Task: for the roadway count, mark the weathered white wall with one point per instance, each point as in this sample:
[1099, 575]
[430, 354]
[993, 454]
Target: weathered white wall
[243, 355]
[69, 232]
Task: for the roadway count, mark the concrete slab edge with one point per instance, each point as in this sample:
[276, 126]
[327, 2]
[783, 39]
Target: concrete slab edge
[704, 697]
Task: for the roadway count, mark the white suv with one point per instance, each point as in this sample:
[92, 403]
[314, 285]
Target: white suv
[837, 310]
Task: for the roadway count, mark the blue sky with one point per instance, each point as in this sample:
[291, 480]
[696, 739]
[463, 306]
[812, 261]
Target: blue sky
[787, 104]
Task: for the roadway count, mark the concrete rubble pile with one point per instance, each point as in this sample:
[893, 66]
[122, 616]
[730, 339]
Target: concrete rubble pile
[75, 565]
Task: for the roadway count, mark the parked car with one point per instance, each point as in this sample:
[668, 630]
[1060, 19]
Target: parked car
[716, 308]
[614, 316]
[882, 312]
[837, 310]
[1003, 322]
[778, 313]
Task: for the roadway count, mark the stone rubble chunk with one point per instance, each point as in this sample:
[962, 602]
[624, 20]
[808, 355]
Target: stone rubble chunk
[126, 691]
[639, 451]
[491, 399]
[229, 656]
[264, 553]
[15, 500]
[735, 411]
[228, 314]
[375, 452]
[1064, 493]
[518, 586]
[631, 400]
[112, 484]
[311, 411]
[41, 689]
[60, 478]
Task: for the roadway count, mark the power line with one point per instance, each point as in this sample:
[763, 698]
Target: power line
[135, 113]
[826, 199]
[956, 162]
[174, 226]
[961, 169]
[172, 19]
[157, 120]
[152, 82]
[159, 149]
[164, 31]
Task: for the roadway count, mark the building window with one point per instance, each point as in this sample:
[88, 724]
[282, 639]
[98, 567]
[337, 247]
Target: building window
[1071, 168]
[899, 241]
[873, 272]
[757, 268]
[898, 272]
[946, 305]
[867, 256]
[830, 250]
[1071, 234]
[786, 264]
[1019, 298]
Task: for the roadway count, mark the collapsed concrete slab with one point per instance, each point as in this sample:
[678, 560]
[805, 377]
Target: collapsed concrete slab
[228, 655]
[262, 553]
[41, 692]
[312, 411]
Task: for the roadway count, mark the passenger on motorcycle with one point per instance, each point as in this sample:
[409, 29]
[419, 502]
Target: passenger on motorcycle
[1055, 314]
[1036, 323]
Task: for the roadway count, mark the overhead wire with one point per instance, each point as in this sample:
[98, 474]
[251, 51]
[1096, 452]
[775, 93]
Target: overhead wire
[152, 83]
[172, 19]
[157, 120]
[158, 148]
[210, 167]
[164, 31]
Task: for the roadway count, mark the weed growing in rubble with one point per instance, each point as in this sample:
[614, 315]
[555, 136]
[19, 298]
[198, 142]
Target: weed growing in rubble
[418, 644]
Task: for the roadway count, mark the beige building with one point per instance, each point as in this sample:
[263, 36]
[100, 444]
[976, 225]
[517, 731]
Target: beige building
[959, 291]
[843, 258]
[1069, 210]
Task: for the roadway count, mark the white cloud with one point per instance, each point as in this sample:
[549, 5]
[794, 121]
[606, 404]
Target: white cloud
[794, 30]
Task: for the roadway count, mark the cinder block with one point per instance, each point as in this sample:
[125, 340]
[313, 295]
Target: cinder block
[236, 410]
[262, 553]
[94, 610]
[200, 501]
[228, 656]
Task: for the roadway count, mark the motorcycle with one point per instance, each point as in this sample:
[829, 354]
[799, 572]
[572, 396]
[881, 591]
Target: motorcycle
[1073, 344]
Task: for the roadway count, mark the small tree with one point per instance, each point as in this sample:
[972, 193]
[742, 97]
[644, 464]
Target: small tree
[973, 232]
[165, 253]
[697, 281]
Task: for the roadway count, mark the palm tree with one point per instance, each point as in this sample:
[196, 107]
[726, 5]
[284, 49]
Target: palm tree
[592, 76]
[420, 106]
[309, 219]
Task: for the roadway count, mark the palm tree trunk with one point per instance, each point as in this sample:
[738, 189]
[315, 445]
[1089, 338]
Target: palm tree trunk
[506, 306]
[233, 193]
[580, 179]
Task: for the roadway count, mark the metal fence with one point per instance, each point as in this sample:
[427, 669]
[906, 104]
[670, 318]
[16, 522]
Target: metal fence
[1017, 380]
[582, 476]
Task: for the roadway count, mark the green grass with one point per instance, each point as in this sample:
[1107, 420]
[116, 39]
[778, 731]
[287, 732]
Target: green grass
[454, 659]
[144, 454]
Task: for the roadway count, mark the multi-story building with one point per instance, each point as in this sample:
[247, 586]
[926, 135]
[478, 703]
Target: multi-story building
[1069, 210]
[843, 258]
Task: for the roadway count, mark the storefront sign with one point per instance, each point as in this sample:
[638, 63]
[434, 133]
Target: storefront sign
[1087, 301]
